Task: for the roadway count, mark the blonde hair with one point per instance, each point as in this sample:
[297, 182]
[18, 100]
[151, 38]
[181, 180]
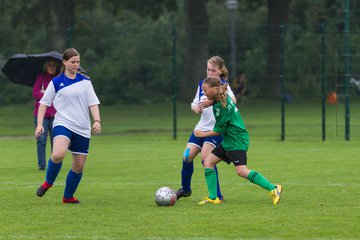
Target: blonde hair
[51, 60]
[219, 62]
[219, 89]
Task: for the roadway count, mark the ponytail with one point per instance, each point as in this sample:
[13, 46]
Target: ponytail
[221, 94]
[220, 89]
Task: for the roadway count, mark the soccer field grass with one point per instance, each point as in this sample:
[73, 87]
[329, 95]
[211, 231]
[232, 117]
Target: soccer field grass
[320, 200]
[136, 155]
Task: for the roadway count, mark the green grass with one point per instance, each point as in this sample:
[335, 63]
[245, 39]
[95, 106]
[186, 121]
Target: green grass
[262, 119]
[126, 167]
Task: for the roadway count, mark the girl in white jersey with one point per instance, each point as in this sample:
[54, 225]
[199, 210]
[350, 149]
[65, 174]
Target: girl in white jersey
[204, 146]
[74, 99]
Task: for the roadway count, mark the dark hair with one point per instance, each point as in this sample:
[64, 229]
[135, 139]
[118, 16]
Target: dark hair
[67, 54]
[219, 89]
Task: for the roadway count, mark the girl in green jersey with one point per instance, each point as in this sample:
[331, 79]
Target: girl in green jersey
[234, 146]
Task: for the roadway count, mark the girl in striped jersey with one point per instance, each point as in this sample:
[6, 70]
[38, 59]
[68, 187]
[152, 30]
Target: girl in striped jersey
[74, 99]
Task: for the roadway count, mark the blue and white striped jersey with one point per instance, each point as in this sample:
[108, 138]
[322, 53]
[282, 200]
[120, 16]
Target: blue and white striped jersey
[72, 99]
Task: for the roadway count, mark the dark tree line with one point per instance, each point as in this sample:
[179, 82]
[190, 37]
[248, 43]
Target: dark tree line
[127, 45]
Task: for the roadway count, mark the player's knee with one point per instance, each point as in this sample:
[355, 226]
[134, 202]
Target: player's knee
[77, 168]
[186, 155]
[203, 156]
[57, 157]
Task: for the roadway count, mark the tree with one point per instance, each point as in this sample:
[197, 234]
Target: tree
[197, 45]
[55, 16]
[148, 8]
[58, 18]
[278, 12]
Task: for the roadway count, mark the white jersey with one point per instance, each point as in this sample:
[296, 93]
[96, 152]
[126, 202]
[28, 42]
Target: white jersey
[207, 119]
[72, 99]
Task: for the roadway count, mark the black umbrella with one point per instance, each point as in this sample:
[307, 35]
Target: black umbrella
[23, 68]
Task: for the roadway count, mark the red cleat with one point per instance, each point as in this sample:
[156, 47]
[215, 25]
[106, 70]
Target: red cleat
[43, 188]
[70, 200]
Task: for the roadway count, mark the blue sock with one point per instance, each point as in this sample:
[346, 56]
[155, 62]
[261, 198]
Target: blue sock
[186, 174]
[72, 182]
[52, 171]
[217, 181]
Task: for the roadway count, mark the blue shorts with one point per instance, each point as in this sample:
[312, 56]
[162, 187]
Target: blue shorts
[78, 144]
[199, 141]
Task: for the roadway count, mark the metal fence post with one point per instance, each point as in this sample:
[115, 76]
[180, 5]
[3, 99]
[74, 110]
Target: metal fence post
[232, 6]
[69, 37]
[174, 81]
[347, 68]
[322, 77]
[282, 81]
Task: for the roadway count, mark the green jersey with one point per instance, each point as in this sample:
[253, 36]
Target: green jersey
[230, 124]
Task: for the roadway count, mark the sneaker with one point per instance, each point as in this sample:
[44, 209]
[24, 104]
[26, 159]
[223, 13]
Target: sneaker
[276, 194]
[208, 200]
[71, 200]
[181, 193]
[43, 188]
[41, 168]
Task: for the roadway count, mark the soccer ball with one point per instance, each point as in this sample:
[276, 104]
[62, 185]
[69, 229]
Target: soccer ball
[165, 196]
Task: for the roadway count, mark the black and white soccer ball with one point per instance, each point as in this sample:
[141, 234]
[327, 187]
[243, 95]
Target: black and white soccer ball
[165, 196]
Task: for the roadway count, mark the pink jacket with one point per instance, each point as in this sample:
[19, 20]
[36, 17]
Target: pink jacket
[41, 82]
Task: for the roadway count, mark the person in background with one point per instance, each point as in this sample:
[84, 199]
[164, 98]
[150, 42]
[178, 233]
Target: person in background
[203, 145]
[234, 146]
[74, 98]
[51, 69]
[240, 87]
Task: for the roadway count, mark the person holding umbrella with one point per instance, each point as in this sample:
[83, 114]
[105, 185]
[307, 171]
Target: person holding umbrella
[74, 99]
[43, 79]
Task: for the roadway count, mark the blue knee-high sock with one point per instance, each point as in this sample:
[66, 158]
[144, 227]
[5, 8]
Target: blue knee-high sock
[186, 174]
[52, 171]
[217, 181]
[72, 182]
